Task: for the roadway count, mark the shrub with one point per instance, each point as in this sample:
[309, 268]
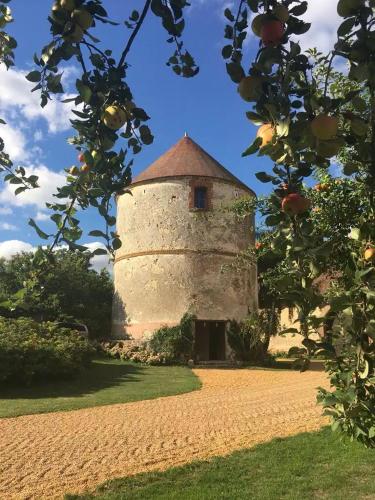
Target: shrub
[249, 338]
[30, 350]
[133, 350]
[166, 345]
[70, 289]
[174, 343]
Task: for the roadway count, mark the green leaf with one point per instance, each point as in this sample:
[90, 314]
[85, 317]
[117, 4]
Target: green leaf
[296, 351]
[346, 26]
[264, 177]
[146, 136]
[359, 127]
[227, 51]
[134, 16]
[339, 303]
[111, 221]
[288, 330]
[97, 233]
[309, 344]
[84, 91]
[255, 118]
[273, 220]
[140, 113]
[253, 148]
[40, 233]
[116, 243]
[100, 251]
[254, 5]
[350, 168]
[359, 104]
[363, 273]
[15, 180]
[228, 14]
[235, 71]
[34, 76]
[298, 10]
[74, 246]
[299, 27]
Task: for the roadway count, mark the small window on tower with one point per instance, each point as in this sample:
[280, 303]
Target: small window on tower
[200, 197]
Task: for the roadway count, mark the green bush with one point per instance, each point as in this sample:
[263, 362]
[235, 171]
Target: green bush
[174, 343]
[249, 339]
[30, 350]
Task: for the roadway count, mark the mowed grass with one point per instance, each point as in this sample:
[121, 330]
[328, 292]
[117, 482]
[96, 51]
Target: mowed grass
[108, 381]
[308, 466]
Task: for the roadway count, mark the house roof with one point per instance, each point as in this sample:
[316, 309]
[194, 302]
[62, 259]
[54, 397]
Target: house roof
[187, 158]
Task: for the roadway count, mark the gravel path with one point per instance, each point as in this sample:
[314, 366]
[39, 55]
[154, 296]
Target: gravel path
[45, 456]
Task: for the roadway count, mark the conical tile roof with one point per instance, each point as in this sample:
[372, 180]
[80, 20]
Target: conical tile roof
[187, 158]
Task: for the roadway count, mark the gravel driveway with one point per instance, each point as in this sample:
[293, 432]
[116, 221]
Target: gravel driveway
[45, 456]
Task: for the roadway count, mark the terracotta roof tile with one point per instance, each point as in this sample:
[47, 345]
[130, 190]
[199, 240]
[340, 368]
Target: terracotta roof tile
[187, 158]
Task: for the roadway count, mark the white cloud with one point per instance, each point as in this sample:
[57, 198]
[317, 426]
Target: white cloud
[5, 211]
[218, 5]
[38, 135]
[15, 143]
[322, 15]
[21, 110]
[42, 216]
[12, 247]
[5, 226]
[99, 262]
[16, 98]
[48, 182]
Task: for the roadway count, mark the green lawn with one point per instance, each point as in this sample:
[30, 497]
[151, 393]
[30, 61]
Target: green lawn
[107, 382]
[305, 467]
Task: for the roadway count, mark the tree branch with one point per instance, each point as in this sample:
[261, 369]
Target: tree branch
[134, 34]
[61, 230]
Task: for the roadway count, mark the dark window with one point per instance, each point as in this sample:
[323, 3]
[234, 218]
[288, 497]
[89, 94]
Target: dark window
[200, 197]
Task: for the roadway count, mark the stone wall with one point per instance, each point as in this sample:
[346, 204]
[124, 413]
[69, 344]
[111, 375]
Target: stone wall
[288, 319]
[172, 257]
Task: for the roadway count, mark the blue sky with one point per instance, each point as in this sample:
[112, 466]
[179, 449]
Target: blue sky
[207, 106]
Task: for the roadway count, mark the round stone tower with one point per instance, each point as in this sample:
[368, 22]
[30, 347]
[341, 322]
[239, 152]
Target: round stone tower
[179, 239]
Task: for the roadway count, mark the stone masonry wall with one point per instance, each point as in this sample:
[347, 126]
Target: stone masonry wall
[172, 257]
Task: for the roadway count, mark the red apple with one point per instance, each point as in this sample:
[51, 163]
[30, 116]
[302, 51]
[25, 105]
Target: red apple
[272, 32]
[324, 127]
[294, 204]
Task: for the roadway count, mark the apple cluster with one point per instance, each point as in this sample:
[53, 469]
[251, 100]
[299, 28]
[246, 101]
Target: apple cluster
[70, 20]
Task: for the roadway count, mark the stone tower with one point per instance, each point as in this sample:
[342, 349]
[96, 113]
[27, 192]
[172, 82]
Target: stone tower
[178, 239]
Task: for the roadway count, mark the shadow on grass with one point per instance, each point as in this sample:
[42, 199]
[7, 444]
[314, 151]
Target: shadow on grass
[102, 373]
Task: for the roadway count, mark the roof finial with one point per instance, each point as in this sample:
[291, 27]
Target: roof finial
[185, 134]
